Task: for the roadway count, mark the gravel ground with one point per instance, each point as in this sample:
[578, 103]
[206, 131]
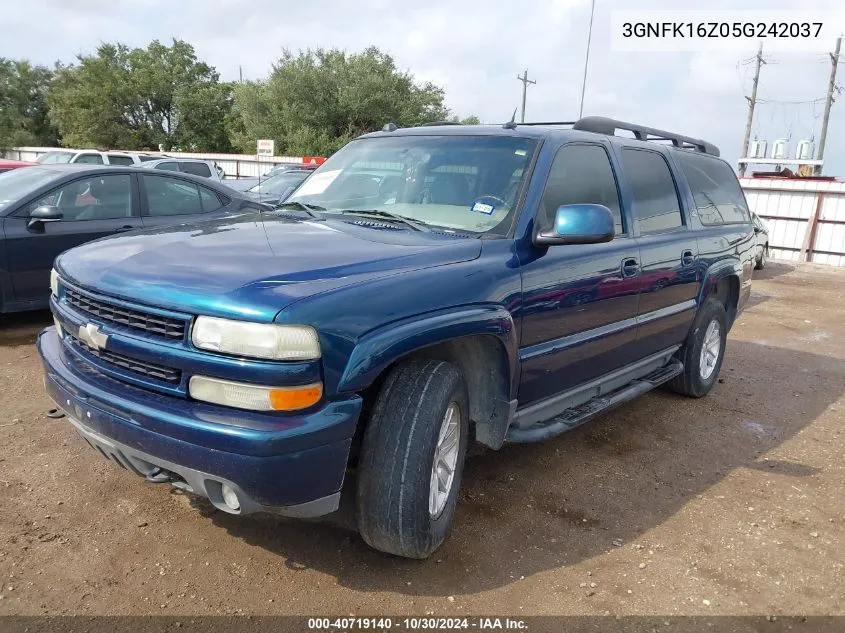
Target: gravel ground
[732, 504]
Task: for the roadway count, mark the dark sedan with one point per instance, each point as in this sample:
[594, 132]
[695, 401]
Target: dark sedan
[47, 209]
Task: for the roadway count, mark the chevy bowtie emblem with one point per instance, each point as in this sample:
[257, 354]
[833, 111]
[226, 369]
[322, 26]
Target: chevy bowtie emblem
[90, 335]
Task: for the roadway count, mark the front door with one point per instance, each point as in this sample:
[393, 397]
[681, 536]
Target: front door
[92, 207]
[580, 301]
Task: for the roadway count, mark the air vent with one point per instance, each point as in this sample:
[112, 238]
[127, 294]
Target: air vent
[376, 225]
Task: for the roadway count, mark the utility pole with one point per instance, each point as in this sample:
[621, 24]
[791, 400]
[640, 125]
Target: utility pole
[241, 73]
[834, 62]
[752, 101]
[525, 81]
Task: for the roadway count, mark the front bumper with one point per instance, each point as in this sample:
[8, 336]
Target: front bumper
[292, 465]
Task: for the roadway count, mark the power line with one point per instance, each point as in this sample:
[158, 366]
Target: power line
[587, 58]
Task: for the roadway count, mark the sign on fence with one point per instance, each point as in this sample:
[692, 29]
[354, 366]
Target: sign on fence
[265, 147]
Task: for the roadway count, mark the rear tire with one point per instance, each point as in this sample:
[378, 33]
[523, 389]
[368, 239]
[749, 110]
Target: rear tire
[703, 352]
[760, 264]
[404, 506]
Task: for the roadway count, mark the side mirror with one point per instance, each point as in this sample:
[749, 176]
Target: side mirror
[41, 215]
[578, 224]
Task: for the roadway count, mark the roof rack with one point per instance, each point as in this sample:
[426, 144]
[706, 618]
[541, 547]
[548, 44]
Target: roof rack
[430, 123]
[603, 125]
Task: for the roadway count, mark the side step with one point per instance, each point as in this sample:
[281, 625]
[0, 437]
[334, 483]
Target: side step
[576, 416]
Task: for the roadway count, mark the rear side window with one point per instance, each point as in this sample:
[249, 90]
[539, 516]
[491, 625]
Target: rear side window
[116, 159]
[89, 159]
[210, 200]
[581, 174]
[657, 208]
[716, 191]
[197, 169]
[169, 166]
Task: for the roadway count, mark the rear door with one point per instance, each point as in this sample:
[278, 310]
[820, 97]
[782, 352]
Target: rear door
[169, 200]
[93, 207]
[580, 300]
[669, 279]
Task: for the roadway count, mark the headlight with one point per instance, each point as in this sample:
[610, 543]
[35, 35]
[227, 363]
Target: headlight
[54, 282]
[256, 340]
[254, 397]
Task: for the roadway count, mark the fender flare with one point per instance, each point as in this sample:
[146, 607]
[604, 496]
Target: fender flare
[377, 349]
[719, 270]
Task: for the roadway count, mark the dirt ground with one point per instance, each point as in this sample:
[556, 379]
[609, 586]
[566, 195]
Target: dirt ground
[732, 504]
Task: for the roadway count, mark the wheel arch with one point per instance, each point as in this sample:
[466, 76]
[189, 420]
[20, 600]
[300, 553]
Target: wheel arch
[480, 340]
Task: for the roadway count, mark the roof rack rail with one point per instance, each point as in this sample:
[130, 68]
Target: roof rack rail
[549, 123]
[603, 125]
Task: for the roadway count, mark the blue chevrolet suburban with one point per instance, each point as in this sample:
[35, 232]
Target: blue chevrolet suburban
[423, 289]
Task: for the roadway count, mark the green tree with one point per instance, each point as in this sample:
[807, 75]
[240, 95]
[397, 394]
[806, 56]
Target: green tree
[315, 101]
[143, 97]
[23, 105]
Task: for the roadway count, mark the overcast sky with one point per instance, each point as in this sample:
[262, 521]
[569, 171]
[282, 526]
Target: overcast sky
[474, 49]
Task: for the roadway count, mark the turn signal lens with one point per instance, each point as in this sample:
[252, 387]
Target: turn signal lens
[254, 397]
[294, 398]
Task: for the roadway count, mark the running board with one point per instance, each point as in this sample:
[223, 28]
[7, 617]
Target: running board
[576, 416]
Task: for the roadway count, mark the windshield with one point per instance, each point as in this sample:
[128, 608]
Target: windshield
[17, 183]
[279, 183]
[54, 158]
[466, 183]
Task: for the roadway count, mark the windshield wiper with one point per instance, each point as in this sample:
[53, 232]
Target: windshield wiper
[295, 204]
[377, 213]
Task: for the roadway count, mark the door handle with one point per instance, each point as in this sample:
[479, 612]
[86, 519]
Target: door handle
[687, 258]
[630, 267]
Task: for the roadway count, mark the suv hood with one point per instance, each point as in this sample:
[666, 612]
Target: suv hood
[251, 267]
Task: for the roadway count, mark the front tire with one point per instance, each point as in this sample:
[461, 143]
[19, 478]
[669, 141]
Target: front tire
[412, 457]
[703, 352]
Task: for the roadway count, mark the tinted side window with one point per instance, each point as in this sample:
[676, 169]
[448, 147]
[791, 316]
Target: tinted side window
[89, 159]
[716, 191]
[96, 198]
[581, 174]
[115, 159]
[168, 166]
[198, 169]
[656, 204]
[210, 200]
[170, 196]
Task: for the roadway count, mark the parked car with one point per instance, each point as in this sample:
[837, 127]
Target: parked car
[761, 233]
[197, 167]
[92, 157]
[276, 189]
[7, 164]
[385, 312]
[47, 209]
[284, 169]
[246, 184]
[241, 184]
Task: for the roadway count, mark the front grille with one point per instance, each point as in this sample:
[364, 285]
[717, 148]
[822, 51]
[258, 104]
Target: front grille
[154, 324]
[142, 368]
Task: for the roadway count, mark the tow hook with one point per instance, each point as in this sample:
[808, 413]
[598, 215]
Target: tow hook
[160, 476]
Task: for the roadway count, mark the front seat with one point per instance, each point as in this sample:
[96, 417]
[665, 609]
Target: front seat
[452, 189]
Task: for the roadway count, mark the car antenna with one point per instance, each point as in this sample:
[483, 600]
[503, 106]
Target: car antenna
[511, 125]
